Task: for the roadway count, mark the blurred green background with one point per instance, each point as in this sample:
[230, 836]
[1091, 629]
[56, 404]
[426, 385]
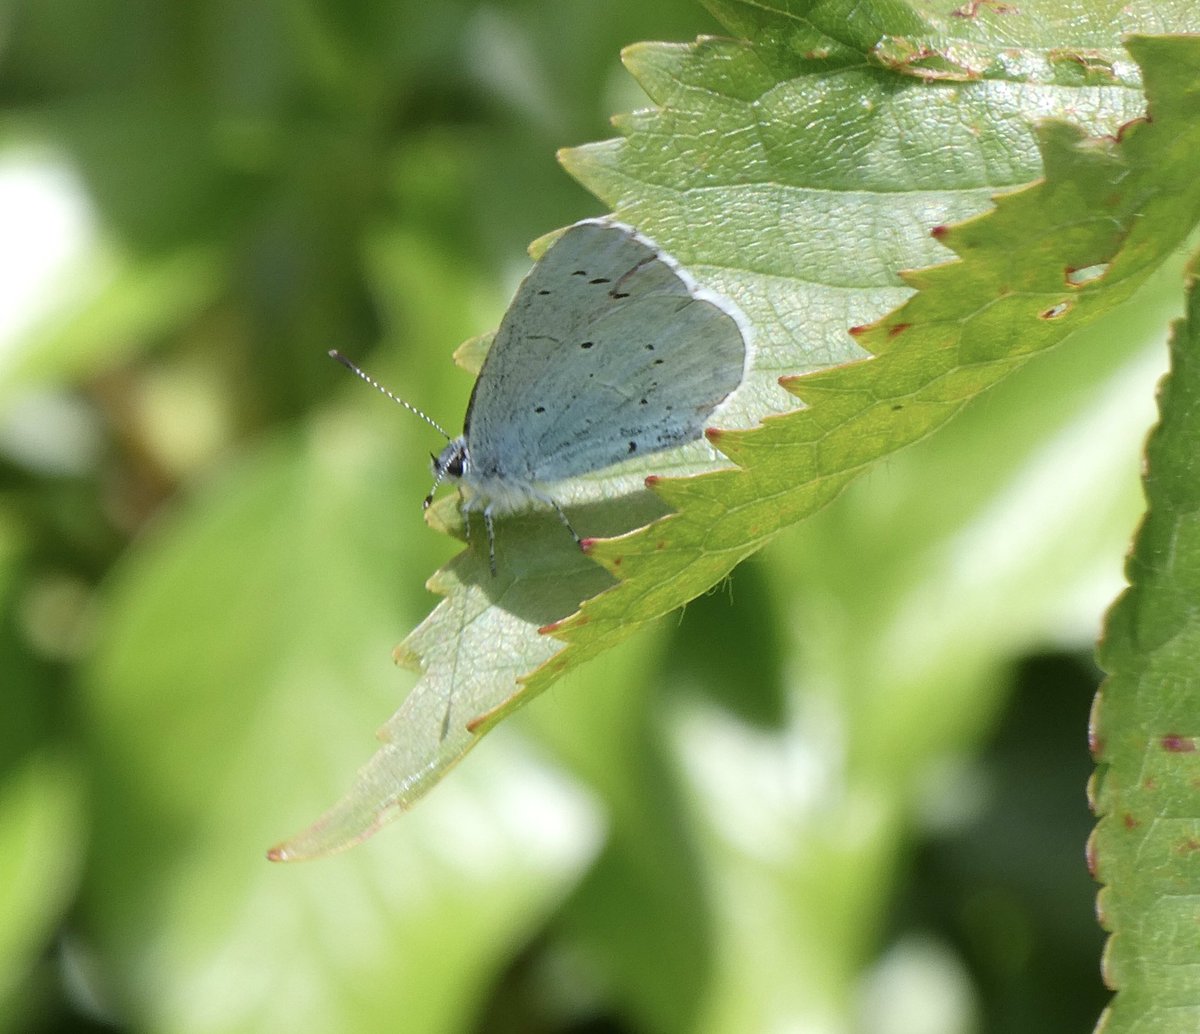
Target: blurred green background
[847, 794]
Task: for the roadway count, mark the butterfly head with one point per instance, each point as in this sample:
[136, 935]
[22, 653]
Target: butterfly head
[452, 460]
[450, 463]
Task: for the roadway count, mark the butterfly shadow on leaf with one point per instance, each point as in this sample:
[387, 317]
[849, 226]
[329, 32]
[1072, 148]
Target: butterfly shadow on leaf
[542, 575]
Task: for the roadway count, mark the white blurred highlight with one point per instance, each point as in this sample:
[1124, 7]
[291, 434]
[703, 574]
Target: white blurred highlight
[49, 229]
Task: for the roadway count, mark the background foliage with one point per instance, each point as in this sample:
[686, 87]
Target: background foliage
[842, 794]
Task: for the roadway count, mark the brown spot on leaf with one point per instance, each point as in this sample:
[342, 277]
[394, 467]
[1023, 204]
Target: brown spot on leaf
[1055, 311]
[1083, 275]
[1177, 744]
[1095, 66]
[972, 9]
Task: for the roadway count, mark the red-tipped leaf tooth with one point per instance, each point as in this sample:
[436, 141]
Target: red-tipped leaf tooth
[480, 720]
[1133, 123]
[570, 621]
[1094, 739]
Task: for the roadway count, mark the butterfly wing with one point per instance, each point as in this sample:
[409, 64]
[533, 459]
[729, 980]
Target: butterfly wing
[608, 351]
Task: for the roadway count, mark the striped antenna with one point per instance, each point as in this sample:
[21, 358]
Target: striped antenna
[335, 354]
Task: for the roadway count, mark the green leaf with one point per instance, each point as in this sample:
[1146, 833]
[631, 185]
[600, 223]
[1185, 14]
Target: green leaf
[884, 629]
[83, 301]
[41, 806]
[41, 799]
[799, 176]
[1146, 728]
[269, 594]
[127, 303]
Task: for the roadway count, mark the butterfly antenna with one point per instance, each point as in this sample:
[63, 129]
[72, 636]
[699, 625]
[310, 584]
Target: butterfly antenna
[335, 354]
[439, 475]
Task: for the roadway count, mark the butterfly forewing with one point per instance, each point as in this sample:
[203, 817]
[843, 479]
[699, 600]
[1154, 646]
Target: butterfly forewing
[606, 352]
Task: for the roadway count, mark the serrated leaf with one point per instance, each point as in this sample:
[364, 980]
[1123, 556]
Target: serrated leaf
[276, 577]
[41, 805]
[1146, 729]
[800, 183]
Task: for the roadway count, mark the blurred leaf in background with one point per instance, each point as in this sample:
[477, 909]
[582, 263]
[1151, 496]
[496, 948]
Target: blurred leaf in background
[780, 810]
[199, 200]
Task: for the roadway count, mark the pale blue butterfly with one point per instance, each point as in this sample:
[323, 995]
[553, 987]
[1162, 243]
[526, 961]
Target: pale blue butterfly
[609, 350]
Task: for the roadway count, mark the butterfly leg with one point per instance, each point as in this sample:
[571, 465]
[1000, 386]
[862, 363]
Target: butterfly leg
[491, 536]
[551, 502]
[566, 523]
